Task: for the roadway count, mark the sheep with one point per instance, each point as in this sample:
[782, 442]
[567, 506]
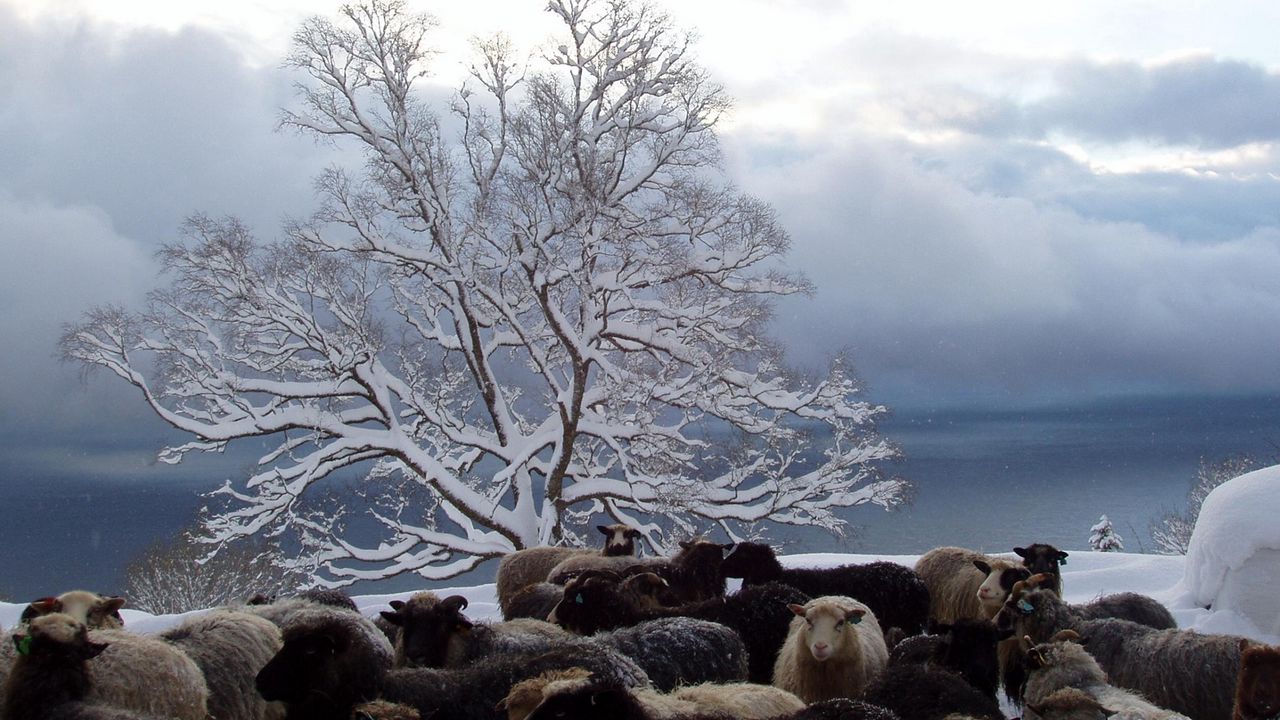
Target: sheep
[333, 661]
[1258, 685]
[924, 692]
[757, 613]
[1042, 558]
[693, 574]
[522, 568]
[1184, 671]
[574, 693]
[834, 649]
[895, 593]
[52, 679]
[1060, 664]
[1067, 704]
[95, 611]
[435, 633]
[966, 584]
[383, 710]
[230, 647]
[676, 651]
[533, 601]
[965, 647]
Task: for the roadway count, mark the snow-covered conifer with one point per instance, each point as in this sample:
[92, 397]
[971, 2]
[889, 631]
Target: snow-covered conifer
[1104, 538]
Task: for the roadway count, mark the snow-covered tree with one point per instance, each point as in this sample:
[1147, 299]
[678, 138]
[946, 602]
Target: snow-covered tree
[1172, 531]
[538, 304]
[174, 576]
[1104, 538]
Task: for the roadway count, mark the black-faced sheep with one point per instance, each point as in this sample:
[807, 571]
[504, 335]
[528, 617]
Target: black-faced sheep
[51, 680]
[435, 633]
[1044, 559]
[1181, 670]
[965, 647]
[925, 692]
[1062, 664]
[757, 613]
[1258, 685]
[895, 593]
[966, 584]
[330, 663]
[834, 649]
[96, 611]
[523, 568]
[575, 694]
[230, 648]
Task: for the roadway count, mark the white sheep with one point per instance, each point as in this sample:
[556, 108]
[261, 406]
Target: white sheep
[964, 584]
[835, 648]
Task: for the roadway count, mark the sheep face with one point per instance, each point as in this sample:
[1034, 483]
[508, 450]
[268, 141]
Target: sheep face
[589, 601]
[1022, 605]
[95, 611]
[57, 635]
[426, 627]
[1042, 558]
[308, 669]
[620, 540]
[827, 628]
[1258, 686]
[648, 590]
[993, 591]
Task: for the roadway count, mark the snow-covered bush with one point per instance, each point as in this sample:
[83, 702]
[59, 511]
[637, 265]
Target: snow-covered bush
[1104, 538]
[1233, 564]
[1171, 532]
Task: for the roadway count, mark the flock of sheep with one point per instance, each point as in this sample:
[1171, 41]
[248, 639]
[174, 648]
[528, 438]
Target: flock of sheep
[606, 635]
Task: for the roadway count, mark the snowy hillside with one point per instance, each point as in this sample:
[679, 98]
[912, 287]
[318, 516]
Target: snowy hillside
[1085, 576]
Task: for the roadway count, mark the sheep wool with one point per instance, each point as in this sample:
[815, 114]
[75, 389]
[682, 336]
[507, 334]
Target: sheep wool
[835, 648]
[966, 584]
[1063, 664]
[230, 647]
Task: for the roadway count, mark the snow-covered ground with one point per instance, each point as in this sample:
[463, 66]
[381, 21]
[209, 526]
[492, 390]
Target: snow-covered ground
[1085, 576]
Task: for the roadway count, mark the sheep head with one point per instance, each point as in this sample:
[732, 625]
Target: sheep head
[94, 610]
[620, 540]
[427, 626]
[56, 636]
[828, 624]
[1001, 576]
[1258, 684]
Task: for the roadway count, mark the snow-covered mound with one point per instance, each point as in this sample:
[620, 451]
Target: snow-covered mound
[1233, 565]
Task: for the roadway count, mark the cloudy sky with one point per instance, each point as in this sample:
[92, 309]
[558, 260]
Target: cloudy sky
[999, 202]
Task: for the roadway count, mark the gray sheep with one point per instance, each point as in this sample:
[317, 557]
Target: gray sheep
[1062, 664]
[1181, 670]
[230, 648]
[522, 568]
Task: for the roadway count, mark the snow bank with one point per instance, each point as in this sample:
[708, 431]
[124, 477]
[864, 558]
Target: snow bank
[1086, 576]
[1232, 568]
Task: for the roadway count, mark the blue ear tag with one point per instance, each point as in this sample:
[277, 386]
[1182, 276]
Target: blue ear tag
[1063, 561]
[578, 599]
[24, 645]
[1026, 607]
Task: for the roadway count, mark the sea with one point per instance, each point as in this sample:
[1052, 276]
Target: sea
[986, 479]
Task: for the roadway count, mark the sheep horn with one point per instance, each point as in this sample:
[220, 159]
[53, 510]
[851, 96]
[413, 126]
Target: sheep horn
[454, 602]
[1065, 636]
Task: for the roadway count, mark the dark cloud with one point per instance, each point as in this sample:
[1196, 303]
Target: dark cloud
[1198, 101]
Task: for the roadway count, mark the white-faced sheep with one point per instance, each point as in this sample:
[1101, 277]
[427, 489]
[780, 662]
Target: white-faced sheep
[1258, 685]
[1064, 664]
[1181, 670]
[757, 613]
[895, 593]
[966, 584]
[332, 662]
[835, 648]
[554, 694]
[96, 611]
[230, 648]
[925, 692]
[51, 679]
[523, 568]
[435, 633]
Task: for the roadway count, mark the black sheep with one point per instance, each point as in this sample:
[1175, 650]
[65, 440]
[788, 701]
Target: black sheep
[925, 692]
[895, 593]
[327, 666]
[966, 647]
[758, 613]
[677, 651]
[1044, 558]
[50, 678]
[434, 633]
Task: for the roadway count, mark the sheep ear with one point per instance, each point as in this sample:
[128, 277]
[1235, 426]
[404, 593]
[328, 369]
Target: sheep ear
[392, 617]
[1062, 555]
[113, 604]
[685, 544]
[1022, 553]
[22, 643]
[855, 615]
[396, 604]
[797, 609]
[46, 605]
[454, 602]
[604, 529]
[982, 566]
[632, 533]
[1065, 636]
